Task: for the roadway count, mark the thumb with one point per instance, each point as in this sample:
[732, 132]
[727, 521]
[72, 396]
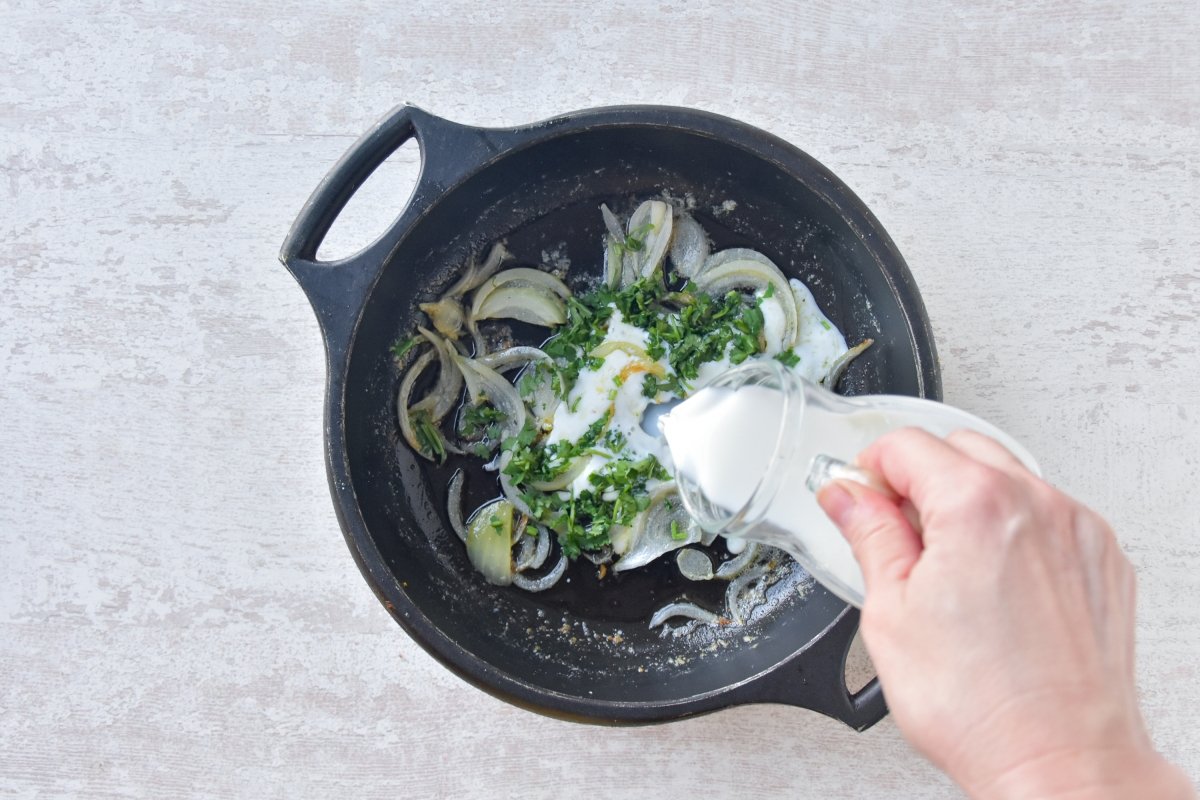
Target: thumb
[884, 542]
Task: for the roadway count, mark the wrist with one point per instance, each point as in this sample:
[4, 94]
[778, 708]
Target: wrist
[1097, 774]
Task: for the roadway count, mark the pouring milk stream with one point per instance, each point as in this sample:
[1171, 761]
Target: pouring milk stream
[746, 446]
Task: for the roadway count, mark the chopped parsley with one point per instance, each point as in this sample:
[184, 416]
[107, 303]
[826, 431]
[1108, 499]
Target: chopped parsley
[788, 357]
[685, 328]
[401, 347]
[615, 496]
[480, 420]
[428, 436]
[634, 241]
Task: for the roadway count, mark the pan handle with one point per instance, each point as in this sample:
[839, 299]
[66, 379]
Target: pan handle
[338, 289]
[816, 679]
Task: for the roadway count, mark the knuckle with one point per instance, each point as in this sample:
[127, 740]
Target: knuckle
[986, 490]
[963, 436]
[899, 441]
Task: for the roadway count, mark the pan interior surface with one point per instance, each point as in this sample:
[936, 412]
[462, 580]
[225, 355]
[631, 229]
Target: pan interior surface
[588, 637]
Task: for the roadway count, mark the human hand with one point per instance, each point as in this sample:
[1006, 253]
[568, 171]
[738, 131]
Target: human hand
[1000, 621]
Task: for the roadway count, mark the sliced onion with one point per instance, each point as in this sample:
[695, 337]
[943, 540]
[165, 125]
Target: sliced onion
[755, 273]
[629, 268]
[484, 384]
[454, 504]
[525, 277]
[611, 223]
[476, 338]
[545, 582]
[830, 381]
[689, 246]
[652, 529]
[640, 365]
[737, 588]
[657, 214]
[739, 563]
[612, 248]
[526, 543]
[403, 398]
[513, 357]
[562, 480]
[621, 537]
[490, 548]
[610, 346]
[695, 565]
[722, 257]
[543, 401]
[444, 395]
[524, 303]
[641, 360]
[614, 264]
[689, 610]
[475, 275]
[446, 315]
[510, 491]
[534, 549]
[512, 278]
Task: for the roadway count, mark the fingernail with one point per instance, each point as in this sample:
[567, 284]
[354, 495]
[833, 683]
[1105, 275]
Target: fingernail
[837, 503]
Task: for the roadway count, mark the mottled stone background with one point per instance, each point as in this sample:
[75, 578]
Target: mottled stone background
[178, 613]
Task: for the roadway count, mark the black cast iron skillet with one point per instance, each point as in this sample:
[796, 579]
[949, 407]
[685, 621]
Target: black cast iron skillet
[583, 650]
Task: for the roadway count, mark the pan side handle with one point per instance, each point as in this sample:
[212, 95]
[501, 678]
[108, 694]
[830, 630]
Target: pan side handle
[815, 679]
[338, 289]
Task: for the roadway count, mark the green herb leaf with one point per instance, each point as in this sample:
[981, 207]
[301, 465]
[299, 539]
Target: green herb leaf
[636, 240]
[479, 420]
[401, 347]
[428, 436]
[788, 357]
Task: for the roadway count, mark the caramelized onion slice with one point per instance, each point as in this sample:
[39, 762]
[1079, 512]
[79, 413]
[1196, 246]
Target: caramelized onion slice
[489, 542]
[650, 225]
[524, 303]
[403, 402]
[689, 246]
[656, 528]
[830, 381]
[444, 395]
[484, 384]
[477, 274]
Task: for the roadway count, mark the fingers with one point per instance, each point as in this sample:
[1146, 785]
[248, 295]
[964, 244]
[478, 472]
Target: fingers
[988, 451]
[884, 543]
[915, 463]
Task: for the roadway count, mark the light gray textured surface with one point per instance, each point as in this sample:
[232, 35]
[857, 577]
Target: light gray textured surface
[178, 613]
